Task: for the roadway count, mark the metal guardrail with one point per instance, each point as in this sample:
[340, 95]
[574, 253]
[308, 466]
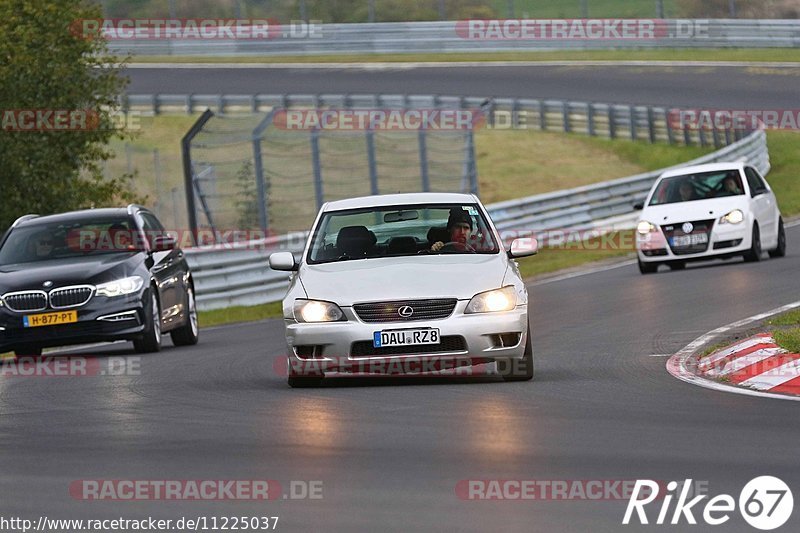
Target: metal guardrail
[450, 36]
[240, 275]
[635, 122]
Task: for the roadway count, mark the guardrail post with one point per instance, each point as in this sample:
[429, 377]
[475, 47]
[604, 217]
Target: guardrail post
[668, 122]
[715, 136]
[687, 135]
[727, 136]
[423, 159]
[318, 192]
[565, 116]
[651, 125]
[189, 104]
[612, 125]
[590, 119]
[373, 166]
[221, 104]
[632, 121]
[701, 133]
[156, 106]
[542, 116]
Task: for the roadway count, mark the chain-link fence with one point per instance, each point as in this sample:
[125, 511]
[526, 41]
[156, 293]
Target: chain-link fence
[264, 172]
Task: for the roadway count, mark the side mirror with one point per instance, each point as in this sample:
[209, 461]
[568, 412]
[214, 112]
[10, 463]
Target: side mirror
[283, 261]
[638, 206]
[523, 247]
[163, 243]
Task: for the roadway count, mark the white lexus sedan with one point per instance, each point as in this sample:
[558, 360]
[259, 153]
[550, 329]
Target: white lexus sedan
[405, 283]
[719, 210]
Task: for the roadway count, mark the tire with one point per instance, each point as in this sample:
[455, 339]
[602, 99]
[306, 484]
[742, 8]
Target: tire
[151, 337]
[521, 370]
[780, 251]
[647, 268]
[189, 333]
[754, 254]
[678, 265]
[28, 351]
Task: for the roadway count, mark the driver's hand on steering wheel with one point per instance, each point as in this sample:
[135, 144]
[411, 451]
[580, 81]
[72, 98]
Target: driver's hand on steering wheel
[437, 246]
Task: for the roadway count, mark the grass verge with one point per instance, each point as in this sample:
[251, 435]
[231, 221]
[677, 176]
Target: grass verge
[248, 313]
[771, 55]
[792, 318]
[788, 339]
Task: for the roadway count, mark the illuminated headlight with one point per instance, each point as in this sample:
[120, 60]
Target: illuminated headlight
[644, 227]
[120, 287]
[317, 311]
[504, 299]
[734, 217]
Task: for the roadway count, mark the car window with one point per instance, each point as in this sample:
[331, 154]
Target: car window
[152, 226]
[395, 231]
[699, 186]
[76, 238]
[755, 181]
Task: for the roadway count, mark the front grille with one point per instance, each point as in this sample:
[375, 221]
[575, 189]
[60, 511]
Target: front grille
[390, 311]
[676, 230]
[26, 301]
[70, 296]
[449, 343]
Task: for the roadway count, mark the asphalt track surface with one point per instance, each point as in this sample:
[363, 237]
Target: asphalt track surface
[390, 451]
[726, 87]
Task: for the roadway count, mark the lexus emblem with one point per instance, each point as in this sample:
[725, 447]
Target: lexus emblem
[47, 284]
[405, 311]
[687, 227]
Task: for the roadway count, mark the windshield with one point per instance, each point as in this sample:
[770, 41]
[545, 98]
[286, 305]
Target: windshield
[405, 230]
[77, 238]
[702, 186]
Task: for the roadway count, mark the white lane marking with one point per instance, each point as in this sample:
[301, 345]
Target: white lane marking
[676, 365]
[792, 223]
[660, 355]
[749, 343]
[55, 351]
[746, 360]
[387, 65]
[776, 376]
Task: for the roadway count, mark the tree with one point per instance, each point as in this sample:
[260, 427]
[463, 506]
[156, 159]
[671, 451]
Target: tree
[46, 65]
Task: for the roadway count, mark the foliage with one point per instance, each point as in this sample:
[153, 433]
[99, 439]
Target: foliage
[46, 65]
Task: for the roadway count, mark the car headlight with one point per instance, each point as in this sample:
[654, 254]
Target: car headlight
[317, 311]
[504, 299]
[734, 217]
[644, 227]
[119, 287]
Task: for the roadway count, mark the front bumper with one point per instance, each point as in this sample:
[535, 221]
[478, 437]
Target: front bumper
[102, 319]
[472, 339]
[725, 240]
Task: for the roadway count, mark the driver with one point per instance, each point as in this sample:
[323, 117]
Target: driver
[459, 226]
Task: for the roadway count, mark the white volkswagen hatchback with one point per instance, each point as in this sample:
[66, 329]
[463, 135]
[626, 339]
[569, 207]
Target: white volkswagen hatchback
[405, 283]
[719, 210]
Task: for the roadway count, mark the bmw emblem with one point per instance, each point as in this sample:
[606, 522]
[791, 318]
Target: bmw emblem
[405, 311]
[47, 284]
[687, 227]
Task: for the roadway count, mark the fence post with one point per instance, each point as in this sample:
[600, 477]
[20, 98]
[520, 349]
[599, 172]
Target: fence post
[542, 116]
[590, 119]
[565, 116]
[373, 166]
[670, 133]
[632, 121]
[258, 163]
[651, 125]
[317, 167]
[423, 159]
[687, 135]
[701, 133]
[612, 126]
[715, 136]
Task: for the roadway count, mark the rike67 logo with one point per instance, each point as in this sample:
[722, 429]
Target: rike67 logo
[765, 503]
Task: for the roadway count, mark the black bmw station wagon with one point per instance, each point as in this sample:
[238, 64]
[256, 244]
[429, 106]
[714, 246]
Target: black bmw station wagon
[90, 276]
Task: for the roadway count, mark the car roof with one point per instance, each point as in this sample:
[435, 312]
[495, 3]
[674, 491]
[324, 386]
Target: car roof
[78, 215]
[400, 199]
[709, 167]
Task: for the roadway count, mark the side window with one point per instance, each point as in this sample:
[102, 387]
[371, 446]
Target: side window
[151, 225]
[755, 181]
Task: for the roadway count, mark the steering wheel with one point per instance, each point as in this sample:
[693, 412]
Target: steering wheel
[455, 246]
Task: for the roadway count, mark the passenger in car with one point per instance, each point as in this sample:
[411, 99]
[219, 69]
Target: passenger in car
[687, 192]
